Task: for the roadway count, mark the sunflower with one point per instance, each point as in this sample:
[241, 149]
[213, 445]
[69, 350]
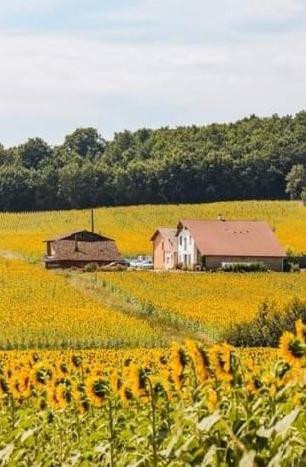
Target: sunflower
[42, 375]
[196, 355]
[76, 361]
[176, 368]
[220, 359]
[58, 397]
[20, 385]
[291, 349]
[97, 389]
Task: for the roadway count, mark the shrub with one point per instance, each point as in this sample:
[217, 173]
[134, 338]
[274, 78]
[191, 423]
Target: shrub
[91, 267]
[267, 326]
[257, 266]
[291, 265]
[113, 268]
[295, 267]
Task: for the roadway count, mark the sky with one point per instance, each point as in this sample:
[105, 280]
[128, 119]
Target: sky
[128, 64]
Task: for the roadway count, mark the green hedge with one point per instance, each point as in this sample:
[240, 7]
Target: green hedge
[267, 326]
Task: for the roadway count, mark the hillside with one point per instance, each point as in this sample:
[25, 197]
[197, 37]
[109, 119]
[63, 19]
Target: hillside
[132, 227]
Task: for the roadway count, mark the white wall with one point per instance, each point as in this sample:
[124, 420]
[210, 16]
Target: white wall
[187, 251]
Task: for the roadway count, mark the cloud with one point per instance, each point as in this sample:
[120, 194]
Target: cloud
[274, 9]
[51, 83]
[201, 13]
[36, 6]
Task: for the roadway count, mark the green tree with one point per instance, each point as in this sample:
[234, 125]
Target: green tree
[16, 188]
[45, 186]
[296, 181]
[34, 152]
[86, 142]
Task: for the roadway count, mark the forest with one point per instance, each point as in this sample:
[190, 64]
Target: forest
[253, 158]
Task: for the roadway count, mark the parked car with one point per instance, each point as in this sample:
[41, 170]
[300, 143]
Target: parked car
[146, 264]
[120, 262]
[142, 263]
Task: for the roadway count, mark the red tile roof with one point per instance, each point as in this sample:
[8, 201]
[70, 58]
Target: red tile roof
[233, 238]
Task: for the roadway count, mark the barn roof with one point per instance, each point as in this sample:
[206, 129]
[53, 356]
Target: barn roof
[65, 250]
[79, 234]
[169, 234]
[233, 238]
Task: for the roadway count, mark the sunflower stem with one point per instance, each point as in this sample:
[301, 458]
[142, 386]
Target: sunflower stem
[154, 428]
[112, 432]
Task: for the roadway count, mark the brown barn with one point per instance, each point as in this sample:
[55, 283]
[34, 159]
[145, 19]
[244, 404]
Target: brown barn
[76, 249]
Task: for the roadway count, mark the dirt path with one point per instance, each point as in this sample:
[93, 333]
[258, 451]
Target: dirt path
[167, 324]
[10, 255]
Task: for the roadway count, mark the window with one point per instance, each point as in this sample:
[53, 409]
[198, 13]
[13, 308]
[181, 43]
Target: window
[190, 240]
[181, 240]
[185, 243]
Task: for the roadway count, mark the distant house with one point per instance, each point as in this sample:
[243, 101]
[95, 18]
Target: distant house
[210, 244]
[164, 248]
[76, 249]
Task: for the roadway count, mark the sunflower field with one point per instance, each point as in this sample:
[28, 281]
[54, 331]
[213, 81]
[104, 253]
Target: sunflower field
[132, 226]
[39, 309]
[95, 368]
[185, 406]
[215, 300]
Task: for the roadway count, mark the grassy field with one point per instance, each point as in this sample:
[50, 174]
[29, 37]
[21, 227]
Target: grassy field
[132, 226]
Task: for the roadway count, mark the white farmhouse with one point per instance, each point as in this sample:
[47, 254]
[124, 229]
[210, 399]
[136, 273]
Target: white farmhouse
[210, 244]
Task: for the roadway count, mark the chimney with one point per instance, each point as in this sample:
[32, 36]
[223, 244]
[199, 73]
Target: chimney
[92, 221]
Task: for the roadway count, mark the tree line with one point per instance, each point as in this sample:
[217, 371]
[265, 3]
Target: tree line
[253, 158]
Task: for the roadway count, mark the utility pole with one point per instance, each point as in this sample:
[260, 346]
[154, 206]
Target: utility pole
[92, 221]
[76, 245]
